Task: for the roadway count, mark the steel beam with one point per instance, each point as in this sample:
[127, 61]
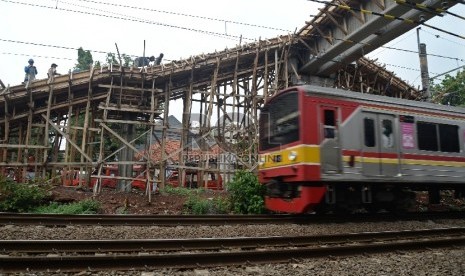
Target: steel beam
[370, 35]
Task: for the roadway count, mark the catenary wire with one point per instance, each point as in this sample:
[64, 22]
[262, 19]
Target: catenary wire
[133, 17]
[422, 7]
[219, 34]
[187, 15]
[135, 20]
[181, 27]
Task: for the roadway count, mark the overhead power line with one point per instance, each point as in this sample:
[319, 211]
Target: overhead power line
[151, 22]
[426, 8]
[29, 55]
[49, 45]
[124, 15]
[387, 16]
[441, 37]
[445, 73]
[106, 52]
[187, 15]
[385, 47]
[228, 36]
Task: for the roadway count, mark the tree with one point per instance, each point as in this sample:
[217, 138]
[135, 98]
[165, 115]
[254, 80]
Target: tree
[111, 59]
[451, 90]
[84, 60]
[126, 59]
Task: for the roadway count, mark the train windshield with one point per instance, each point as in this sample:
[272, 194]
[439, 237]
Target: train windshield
[279, 121]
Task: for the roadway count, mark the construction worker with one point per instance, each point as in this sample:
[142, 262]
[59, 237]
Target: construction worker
[158, 59]
[143, 61]
[31, 71]
[52, 72]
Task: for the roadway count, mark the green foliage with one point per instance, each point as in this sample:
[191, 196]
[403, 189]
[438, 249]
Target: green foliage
[85, 60]
[181, 191]
[20, 197]
[246, 193]
[127, 60]
[222, 205]
[196, 205]
[451, 90]
[111, 59]
[87, 206]
[196, 202]
[203, 206]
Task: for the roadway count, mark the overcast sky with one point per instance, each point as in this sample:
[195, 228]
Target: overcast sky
[50, 31]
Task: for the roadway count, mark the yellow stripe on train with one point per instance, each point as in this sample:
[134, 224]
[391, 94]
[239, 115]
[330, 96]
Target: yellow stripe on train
[418, 162]
[289, 156]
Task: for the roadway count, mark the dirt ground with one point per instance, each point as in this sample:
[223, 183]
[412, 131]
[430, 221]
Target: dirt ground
[137, 202]
[113, 202]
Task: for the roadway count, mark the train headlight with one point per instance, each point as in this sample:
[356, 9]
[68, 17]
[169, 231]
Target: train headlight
[292, 155]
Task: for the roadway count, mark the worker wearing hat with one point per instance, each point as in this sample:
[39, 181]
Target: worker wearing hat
[52, 72]
[31, 71]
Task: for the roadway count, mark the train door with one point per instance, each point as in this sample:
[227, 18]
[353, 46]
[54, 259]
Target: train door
[380, 149]
[330, 150]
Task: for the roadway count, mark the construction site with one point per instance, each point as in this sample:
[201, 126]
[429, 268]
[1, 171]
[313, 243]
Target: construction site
[112, 115]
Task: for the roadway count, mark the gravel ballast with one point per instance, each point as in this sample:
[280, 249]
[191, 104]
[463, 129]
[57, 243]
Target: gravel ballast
[426, 262]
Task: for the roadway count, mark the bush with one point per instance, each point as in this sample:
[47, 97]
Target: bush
[20, 197]
[246, 194]
[202, 206]
[87, 206]
[180, 191]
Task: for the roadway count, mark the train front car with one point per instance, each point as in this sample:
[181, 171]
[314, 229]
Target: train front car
[289, 156]
[325, 149]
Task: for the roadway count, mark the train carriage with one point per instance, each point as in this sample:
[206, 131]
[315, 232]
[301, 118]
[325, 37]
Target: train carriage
[325, 148]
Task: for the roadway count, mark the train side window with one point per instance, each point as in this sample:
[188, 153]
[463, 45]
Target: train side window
[449, 138]
[329, 124]
[427, 136]
[369, 132]
[387, 134]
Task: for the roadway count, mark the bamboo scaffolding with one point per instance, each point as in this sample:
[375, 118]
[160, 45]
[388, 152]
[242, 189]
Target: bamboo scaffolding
[85, 110]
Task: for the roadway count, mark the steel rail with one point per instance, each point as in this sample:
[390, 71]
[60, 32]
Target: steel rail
[53, 262]
[177, 220]
[160, 220]
[145, 245]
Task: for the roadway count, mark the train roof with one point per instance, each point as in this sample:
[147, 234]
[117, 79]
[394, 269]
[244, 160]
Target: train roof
[382, 100]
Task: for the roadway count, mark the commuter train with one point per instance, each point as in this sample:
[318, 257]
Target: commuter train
[326, 149]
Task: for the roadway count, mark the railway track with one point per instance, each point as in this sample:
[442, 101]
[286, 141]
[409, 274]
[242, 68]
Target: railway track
[176, 220]
[98, 255]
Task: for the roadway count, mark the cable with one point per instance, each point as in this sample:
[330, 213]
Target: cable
[438, 36]
[420, 7]
[335, 61]
[427, 8]
[445, 73]
[129, 17]
[174, 26]
[416, 52]
[136, 20]
[221, 35]
[106, 52]
[29, 55]
[387, 16]
[386, 47]
[60, 47]
[187, 15]
[133, 17]
[48, 45]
